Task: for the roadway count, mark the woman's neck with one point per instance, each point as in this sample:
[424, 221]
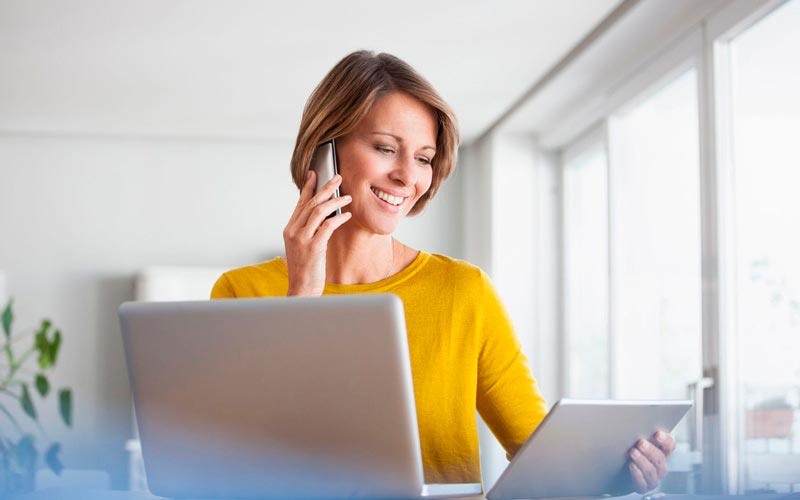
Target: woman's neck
[357, 257]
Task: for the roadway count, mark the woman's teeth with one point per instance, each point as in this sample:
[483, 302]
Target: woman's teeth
[393, 200]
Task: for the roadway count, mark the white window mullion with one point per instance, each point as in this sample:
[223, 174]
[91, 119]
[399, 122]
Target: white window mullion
[612, 357]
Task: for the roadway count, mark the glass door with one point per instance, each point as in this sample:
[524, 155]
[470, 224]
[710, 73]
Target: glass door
[764, 247]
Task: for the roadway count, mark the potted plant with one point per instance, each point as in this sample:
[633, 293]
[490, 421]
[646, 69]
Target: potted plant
[18, 449]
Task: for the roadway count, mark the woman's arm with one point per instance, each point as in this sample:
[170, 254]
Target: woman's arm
[508, 398]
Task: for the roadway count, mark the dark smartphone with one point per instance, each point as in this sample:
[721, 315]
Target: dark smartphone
[323, 162]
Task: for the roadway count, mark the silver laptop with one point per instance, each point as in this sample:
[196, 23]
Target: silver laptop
[581, 448]
[277, 398]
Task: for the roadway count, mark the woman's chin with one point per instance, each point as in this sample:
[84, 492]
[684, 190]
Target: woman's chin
[380, 227]
[384, 230]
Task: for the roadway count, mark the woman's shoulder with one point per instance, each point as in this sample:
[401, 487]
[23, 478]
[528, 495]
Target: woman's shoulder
[456, 269]
[275, 265]
[256, 280]
[453, 263]
[445, 276]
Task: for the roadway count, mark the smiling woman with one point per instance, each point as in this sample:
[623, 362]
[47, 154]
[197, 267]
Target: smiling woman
[348, 93]
[388, 154]
[397, 141]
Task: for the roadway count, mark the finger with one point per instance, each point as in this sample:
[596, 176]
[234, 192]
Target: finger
[638, 478]
[648, 469]
[305, 195]
[328, 227]
[327, 190]
[322, 212]
[666, 442]
[324, 194]
[308, 188]
[655, 456]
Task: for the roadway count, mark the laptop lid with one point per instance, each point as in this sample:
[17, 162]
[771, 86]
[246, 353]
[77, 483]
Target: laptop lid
[274, 397]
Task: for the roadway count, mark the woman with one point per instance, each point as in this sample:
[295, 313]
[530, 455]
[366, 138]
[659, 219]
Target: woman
[396, 142]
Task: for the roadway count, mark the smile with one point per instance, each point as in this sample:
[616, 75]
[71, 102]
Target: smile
[388, 198]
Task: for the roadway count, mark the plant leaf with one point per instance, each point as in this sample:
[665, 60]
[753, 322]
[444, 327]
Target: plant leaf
[43, 345]
[65, 405]
[52, 460]
[54, 345]
[27, 404]
[8, 318]
[42, 385]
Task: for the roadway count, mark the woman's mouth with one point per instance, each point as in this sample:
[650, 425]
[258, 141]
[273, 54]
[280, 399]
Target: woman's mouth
[388, 198]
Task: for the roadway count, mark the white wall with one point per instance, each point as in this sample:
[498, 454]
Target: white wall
[3, 293]
[80, 215]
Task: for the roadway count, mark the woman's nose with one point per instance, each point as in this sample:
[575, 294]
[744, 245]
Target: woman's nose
[405, 171]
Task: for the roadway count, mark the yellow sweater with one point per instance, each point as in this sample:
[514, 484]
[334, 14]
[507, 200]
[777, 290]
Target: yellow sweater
[464, 355]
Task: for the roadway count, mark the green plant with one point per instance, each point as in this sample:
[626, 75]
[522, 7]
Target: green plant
[18, 457]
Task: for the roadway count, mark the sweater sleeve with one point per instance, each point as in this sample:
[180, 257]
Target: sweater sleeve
[508, 398]
[223, 289]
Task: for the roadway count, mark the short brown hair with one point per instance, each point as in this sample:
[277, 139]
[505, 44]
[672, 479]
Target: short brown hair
[346, 94]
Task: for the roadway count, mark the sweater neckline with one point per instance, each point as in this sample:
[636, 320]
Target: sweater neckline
[383, 285]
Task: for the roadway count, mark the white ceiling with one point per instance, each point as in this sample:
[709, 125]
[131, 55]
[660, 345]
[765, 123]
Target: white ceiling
[243, 69]
[627, 59]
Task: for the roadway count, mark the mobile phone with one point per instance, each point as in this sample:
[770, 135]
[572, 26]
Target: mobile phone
[324, 163]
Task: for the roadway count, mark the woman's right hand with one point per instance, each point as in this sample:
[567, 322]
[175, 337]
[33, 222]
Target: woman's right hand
[307, 233]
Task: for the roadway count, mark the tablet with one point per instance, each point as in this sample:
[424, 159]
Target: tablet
[581, 448]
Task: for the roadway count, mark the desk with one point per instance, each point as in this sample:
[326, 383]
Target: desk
[76, 494]
[56, 494]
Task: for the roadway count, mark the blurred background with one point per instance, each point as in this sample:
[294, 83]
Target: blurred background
[628, 177]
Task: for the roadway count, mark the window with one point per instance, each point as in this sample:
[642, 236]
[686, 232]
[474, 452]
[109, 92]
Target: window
[585, 218]
[656, 306]
[632, 248]
[655, 239]
[765, 229]
[687, 143]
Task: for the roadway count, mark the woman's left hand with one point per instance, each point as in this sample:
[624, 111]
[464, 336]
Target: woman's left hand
[648, 464]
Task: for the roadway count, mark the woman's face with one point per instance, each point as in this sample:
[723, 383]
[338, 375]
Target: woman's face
[385, 162]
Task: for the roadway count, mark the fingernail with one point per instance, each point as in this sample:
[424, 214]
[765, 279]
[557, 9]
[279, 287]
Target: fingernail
[644, 445]
[661, 436]
[308, 174]
[635, 453]
[347, 197]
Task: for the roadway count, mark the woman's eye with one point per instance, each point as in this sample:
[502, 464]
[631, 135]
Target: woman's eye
[424, 160]
[384, 150]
